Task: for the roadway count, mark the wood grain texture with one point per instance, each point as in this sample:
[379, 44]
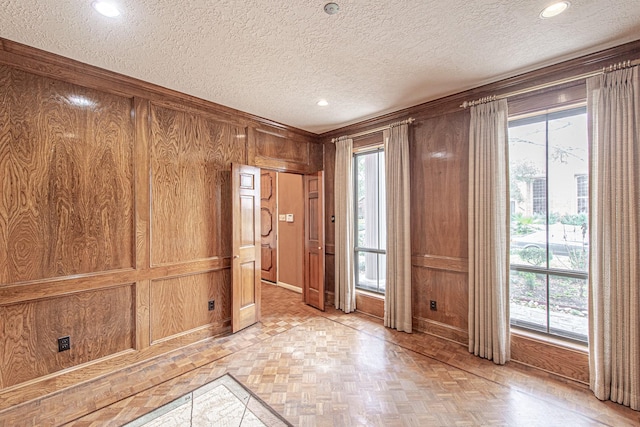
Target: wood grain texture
[365, 141]
[142, 200]
[329, 275]
[66, 174]
[38, 72]
[143, 315]
[369, 304]
[269, 225]
[314, 251]
[439, 185]
[99, 323]
[554, 358]
[245, 231]
[283, 151]
[448, 288]
[329, 198]
[442, 330]
[179, 304]
[271, 145]
[191, 157]
[40, 289]
[441, 263]
[48, 64]
[560, 97]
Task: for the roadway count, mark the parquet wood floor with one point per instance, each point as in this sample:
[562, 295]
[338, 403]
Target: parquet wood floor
[327, 368]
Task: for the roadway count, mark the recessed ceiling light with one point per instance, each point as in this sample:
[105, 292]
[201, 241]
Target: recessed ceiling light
[106, 8]
[554, 9]
[322, 103]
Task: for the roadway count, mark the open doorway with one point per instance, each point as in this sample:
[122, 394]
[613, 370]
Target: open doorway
[282, 216]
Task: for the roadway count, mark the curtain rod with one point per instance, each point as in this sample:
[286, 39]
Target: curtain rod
[618, 66]
[367, 132]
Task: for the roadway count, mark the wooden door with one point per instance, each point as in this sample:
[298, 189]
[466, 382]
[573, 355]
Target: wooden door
[269, 222]
[314, 240]
[245, 264]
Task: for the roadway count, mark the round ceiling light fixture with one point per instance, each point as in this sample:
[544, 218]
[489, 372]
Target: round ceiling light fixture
[554, 9]
[331, 8]
[106, 8]
[322, 103]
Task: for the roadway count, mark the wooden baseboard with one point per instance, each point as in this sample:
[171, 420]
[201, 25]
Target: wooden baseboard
[441, 330]
[330, 299]
[290, 287]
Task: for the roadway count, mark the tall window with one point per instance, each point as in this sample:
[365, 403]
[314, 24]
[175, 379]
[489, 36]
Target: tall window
[582, 182]
[549, 233]
[539, 192]
[370, 227]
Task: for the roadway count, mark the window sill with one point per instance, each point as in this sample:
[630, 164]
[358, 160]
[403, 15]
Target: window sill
[369, 294]
[558, 342]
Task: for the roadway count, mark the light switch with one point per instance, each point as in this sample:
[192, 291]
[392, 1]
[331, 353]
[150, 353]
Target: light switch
[282, 217]
[289, 217]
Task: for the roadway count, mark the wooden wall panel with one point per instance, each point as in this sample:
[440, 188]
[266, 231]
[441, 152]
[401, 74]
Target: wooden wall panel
[329, 224]
[329, 274]
[449, 289]
[278, 147]
[191, 158]
[180, 304]
[100, 323]
[107, 180]
[283, 151]
[439, 185]
[329, 199]
[371, 305]
[560, 360]
[66, 176]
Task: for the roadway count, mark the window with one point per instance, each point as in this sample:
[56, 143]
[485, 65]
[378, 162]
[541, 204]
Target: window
[582, 183]
[548, 157]
[370, 227]
[539, 193]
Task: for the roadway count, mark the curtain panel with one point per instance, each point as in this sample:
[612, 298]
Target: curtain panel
[345, 295]
[614, 279]
[489, 335]
[397, 297]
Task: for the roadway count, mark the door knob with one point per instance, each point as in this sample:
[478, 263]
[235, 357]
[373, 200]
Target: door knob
[236, 256]
[319, 248]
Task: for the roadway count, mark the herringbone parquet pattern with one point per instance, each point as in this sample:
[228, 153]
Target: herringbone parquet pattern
[325, 369]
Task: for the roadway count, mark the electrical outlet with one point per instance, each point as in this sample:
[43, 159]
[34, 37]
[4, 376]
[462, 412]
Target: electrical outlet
[433, 305]
[64, 343]
[212, 305]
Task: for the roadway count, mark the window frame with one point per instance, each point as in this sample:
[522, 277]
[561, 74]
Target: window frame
[548, 271]
[363, 151]
[582, 197]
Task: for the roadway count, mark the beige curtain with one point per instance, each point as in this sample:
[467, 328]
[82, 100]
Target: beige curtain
[489, 335]
[345, 295]
[614, 298]
[397, 297]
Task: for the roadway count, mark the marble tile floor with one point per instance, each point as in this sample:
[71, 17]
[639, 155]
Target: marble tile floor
[222, 402]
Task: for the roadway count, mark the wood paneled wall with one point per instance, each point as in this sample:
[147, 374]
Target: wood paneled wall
[115, 211]
[439, 202]
[66, 155]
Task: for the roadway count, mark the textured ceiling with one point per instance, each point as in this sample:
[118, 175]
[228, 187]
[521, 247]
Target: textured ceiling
[277, 59]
